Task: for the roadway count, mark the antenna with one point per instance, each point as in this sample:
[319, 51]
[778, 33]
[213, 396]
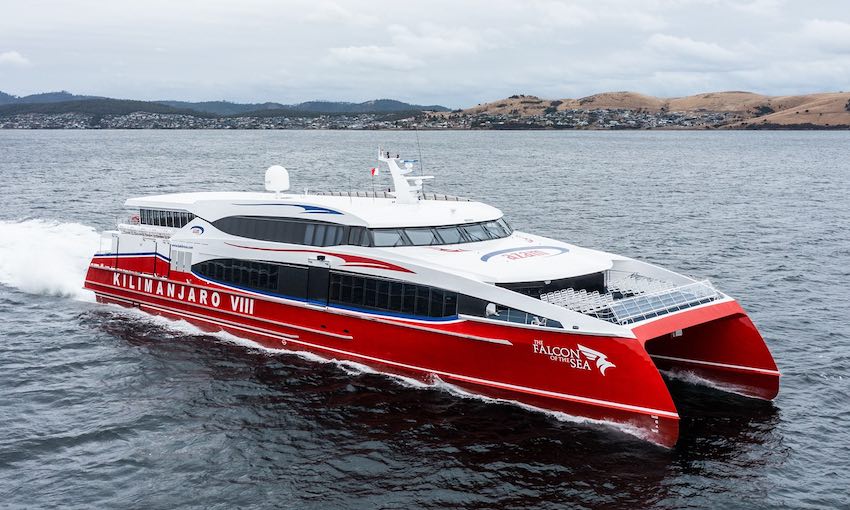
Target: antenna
[419, 147]
[407, 189]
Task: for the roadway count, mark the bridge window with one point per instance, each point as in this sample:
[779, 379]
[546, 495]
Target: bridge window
[388, 237]
[450, 234]
[422, 236]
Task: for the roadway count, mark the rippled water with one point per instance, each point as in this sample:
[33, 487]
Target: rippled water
[101, 407]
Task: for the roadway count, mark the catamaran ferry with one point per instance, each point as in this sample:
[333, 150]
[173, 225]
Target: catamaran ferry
[434, 286]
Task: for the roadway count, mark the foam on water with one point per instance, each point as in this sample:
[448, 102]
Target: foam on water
[46, 257]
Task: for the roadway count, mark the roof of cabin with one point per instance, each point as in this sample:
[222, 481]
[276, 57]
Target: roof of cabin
[364, 211]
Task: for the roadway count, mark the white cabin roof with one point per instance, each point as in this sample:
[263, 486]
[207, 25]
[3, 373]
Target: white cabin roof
[375, 212]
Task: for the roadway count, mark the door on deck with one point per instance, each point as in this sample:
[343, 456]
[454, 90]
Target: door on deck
[147, 263]
[318, 279]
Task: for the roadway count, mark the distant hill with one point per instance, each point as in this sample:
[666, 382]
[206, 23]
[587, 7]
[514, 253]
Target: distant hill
[321, 107]
[101, 106]
[7, 98]
[95, 107]
[828, 109]
[374, 106]
[222, 107]
[229, 108]
[44, 97]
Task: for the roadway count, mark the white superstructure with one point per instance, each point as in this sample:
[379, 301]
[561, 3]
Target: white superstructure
[452, 243]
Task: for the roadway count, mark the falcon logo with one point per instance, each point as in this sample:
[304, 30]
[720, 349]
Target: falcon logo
[578, 358]
[602, 362]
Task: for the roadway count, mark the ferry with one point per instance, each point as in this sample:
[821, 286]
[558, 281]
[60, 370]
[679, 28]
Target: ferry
[434, 287]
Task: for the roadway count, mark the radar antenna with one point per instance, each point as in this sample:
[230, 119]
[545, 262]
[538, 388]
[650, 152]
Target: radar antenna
[277, 179]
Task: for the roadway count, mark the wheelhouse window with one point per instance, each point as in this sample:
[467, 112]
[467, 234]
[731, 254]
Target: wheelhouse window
[449, 234]
[317, 233]
[422, 236]
[163, 218]
[388, 237]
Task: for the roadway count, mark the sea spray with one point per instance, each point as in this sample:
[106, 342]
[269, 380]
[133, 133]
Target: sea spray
[46, 257]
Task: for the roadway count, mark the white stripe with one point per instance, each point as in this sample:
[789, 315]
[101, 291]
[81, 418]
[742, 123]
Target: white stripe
[485, 382]
[283, 324]
[765, 371]
[228, 324]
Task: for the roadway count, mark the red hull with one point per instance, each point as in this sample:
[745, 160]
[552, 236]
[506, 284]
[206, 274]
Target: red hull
[544, 368]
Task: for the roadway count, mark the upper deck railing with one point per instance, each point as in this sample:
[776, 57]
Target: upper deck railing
[388, 194]
[634, 298]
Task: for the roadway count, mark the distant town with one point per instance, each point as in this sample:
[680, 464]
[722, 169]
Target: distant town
[608, 111]
[567, 119]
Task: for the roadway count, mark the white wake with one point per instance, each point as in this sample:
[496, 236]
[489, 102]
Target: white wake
[46, 257]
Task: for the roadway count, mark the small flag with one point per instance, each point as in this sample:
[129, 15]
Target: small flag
[375, 171]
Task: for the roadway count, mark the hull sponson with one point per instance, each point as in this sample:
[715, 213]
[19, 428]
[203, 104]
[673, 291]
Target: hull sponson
[544, 368]
[719, 344]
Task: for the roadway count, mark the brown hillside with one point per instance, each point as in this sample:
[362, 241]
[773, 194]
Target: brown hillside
[620, 100]
[820, 109]
[830, 109]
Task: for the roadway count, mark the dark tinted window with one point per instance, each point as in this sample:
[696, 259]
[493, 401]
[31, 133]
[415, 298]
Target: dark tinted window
[280, 279]
[284, 230]
[369, 293]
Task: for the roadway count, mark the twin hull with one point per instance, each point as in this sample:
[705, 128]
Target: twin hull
[598, 377]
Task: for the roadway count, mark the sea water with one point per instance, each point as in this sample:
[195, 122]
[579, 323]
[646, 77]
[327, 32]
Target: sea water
[110, 408]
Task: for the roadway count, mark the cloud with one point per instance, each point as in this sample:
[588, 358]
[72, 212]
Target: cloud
[685, 54]
[377, 57]
[440, 40]
[409, 49]
[13, 58]
[833, 36]
[332, 12]
[441, 51]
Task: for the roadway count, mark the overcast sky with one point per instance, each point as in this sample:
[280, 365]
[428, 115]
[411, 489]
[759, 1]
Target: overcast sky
[456, 53]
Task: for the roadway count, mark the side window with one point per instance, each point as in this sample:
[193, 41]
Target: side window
[390, 295]
[370, 293]
[422, 236]
[408, 300]
[450, 235]
[387, 237]
[310, 233]
[476, 232]
[358, 236]
[423, 300]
